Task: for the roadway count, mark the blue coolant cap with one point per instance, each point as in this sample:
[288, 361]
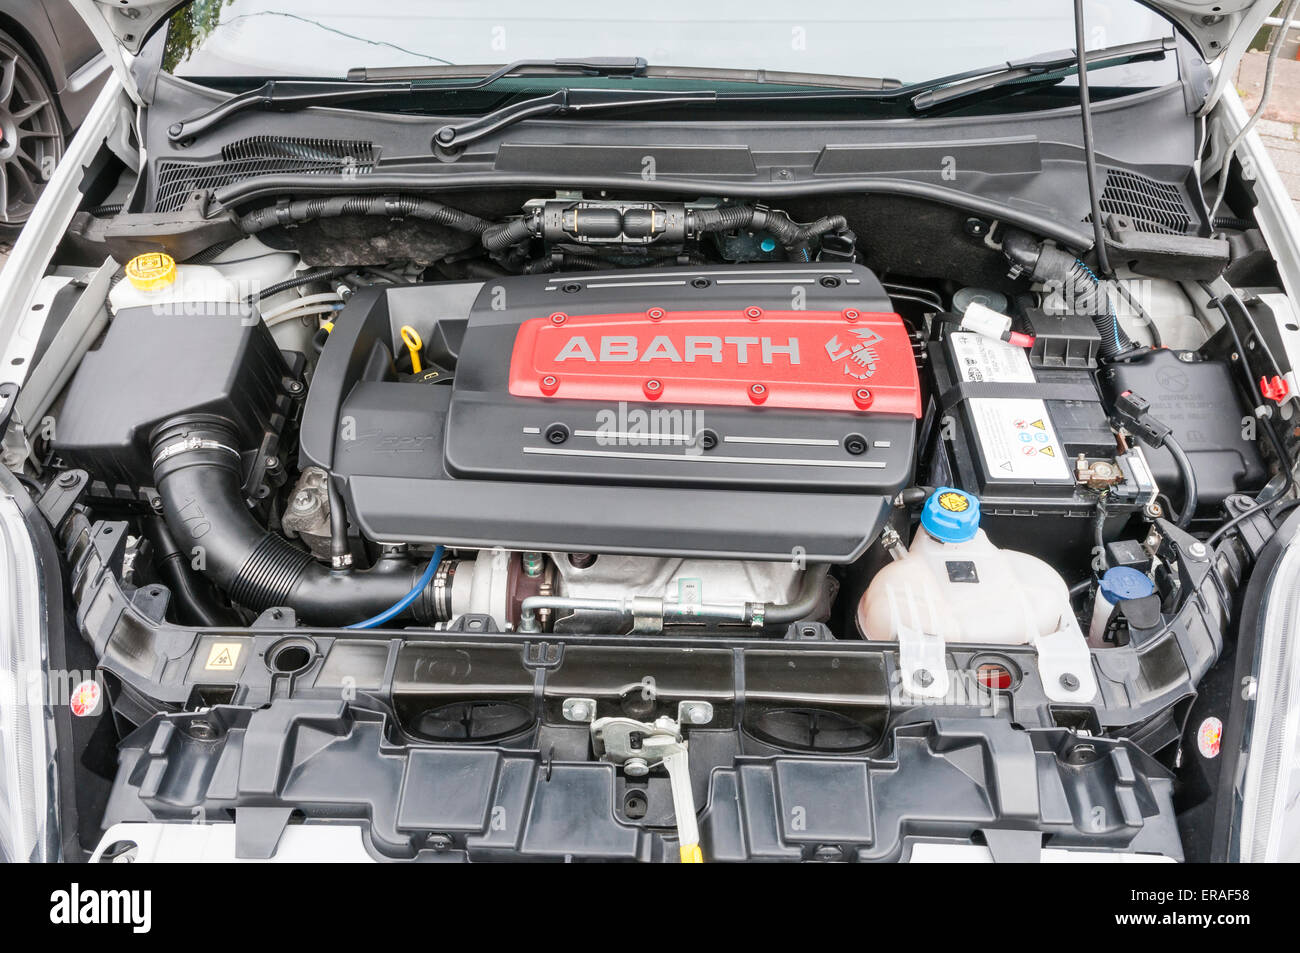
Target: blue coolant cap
[1125, 582]
[951, 515]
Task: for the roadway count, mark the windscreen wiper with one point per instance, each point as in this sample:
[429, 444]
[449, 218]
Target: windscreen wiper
[563, 102]
[283, 95]
[586, 66]
[1044, 68]
[288, 95]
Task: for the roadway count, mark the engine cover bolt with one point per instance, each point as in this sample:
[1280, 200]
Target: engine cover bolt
[549, 384]
[653, 388]
[851, 314]
[655, 314]
[862, 398]
[558, 318]
[758, 393]
[753, 313]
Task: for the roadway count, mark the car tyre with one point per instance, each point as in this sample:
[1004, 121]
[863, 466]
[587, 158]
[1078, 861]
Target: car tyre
[31, 135]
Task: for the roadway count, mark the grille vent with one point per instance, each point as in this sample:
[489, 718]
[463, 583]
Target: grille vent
[260, 155]
[1153, 206]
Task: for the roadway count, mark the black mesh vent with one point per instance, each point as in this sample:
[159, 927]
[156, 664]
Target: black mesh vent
[260, 155]
[1153, 206]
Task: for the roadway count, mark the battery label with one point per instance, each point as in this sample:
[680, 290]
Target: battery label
[981, 359]
[1017, 440]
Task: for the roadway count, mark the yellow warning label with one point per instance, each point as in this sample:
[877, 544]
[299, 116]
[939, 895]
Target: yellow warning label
[954, 502]
[1039, 424]
[1050, 451]
[223, 656]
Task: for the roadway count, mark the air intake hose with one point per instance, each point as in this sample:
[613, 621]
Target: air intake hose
[197, 472]
[1082, 290]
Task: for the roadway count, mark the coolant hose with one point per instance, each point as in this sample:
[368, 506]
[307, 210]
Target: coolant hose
[805, 601]
[197, 473]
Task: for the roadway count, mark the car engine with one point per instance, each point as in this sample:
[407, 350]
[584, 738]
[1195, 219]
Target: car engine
[597, 470]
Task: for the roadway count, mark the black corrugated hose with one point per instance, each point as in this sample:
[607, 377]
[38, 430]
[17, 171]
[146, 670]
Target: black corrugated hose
[392, 206]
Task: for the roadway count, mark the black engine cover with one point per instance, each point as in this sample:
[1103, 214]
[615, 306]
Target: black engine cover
[470, 463]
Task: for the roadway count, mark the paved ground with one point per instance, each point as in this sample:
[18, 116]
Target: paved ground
[1279, 126]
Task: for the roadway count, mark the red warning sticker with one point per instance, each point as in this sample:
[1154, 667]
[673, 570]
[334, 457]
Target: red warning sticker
[1209, 737]
[85, 699]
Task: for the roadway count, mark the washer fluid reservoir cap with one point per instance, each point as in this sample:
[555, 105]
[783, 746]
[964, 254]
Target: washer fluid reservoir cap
[151, 271]
[951, 515]
[1125, 582]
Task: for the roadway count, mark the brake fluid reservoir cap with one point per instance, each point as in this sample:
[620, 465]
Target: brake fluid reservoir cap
[1125, 582]
[951, 515]
[151, 271]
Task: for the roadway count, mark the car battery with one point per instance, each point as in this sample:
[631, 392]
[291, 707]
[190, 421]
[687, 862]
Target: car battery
[1027, 431]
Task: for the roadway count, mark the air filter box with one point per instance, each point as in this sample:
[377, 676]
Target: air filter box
[152, 367]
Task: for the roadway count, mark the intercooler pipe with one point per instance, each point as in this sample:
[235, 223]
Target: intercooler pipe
[754, 614]
[1082, 290]
[198, 474]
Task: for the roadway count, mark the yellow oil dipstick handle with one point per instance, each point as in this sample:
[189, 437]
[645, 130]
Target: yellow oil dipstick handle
[413, 344]
[688, 830]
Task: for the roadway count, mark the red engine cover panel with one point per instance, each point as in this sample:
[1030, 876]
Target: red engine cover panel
[811, 360]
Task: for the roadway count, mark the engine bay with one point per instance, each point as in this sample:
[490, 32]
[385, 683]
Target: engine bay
[603, 475]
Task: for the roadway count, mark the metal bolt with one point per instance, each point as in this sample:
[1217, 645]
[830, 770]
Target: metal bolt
[923, 677]
[636, 767]
[695, 713]
[578, 709]
[272, 463]
[68, 480]
[295, 387]
[1070, 682]
[1197, 550]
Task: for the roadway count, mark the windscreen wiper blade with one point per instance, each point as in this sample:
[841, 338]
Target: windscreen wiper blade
[288, 95]
[1045, 68]
[586, 66]
[283, 95]
[563, 102]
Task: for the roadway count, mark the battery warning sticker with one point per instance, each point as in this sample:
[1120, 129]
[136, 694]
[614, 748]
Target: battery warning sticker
[1017, 440]
[982, 359]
